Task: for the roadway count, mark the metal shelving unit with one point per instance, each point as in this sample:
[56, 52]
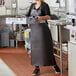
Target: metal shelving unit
[59, 25]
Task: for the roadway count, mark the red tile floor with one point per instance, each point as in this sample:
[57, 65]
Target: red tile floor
[19, 61]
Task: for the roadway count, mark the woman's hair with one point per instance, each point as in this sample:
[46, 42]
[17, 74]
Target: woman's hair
[42, 0]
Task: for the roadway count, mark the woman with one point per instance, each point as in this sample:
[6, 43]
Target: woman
[41, 40]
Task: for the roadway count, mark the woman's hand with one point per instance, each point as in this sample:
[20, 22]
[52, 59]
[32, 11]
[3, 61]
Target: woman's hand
[39, 19]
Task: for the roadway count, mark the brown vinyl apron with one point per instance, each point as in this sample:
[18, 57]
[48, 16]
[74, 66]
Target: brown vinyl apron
[41, 43]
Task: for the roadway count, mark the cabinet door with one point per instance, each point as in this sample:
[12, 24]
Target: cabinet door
[5, 39]
[54, 32]
[72, 59]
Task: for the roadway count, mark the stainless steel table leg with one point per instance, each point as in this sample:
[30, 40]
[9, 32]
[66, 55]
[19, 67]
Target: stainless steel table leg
[61, 60]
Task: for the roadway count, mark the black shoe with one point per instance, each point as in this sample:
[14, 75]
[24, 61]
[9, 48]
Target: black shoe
[36, 72]
[56, 68]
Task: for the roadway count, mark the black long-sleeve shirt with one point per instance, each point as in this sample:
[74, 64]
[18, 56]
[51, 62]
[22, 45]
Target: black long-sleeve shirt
[44, 9]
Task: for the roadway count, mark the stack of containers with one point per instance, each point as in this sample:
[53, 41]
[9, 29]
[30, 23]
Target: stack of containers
[27, 39]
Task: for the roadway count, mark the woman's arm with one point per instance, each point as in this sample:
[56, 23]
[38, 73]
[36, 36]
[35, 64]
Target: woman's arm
[44, 17]
[45, 12]
[40, 18]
